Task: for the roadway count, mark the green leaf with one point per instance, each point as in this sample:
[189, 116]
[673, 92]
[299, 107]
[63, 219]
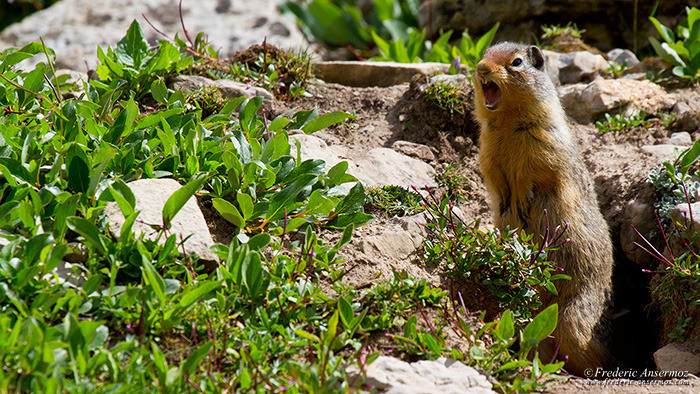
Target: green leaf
[253, 274]
[229, 212]
[63, 211]
[285, 198]
[159, 91]
[133, 48]
[485, 41]
[245, 202]
[194, 294]
[88, 231]
[259, 241]
[504, 328]
[347, 314]
[154, 280]
[123, 124]
[179, 198]
[666, 33]
[689, 157]
[346, 237]
[12, 56]
[541, 326]
[515, 364]
[311, 337]
[16, 169]
[193, 361]
[324, 121]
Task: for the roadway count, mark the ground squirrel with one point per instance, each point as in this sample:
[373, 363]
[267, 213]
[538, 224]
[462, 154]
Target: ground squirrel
[531, 163]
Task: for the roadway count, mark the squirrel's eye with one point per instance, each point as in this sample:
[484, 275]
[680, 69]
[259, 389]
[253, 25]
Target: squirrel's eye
[516, 62]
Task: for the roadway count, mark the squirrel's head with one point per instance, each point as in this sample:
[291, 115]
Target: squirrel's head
[511, 77]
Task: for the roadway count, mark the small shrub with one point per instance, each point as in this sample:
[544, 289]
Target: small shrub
[447, 97]
[209, 100]
[674, 182]
[452, 179]
[513, 266]
[620, 123]
[396, 200]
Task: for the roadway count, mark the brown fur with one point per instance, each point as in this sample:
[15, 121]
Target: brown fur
[530, 163]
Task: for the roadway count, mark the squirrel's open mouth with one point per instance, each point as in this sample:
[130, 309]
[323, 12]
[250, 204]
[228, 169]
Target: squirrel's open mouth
[492, 95]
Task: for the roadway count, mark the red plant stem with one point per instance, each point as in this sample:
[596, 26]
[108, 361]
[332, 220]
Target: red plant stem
[658, 255]
[556, 351]
[182, 22]
[663, 234]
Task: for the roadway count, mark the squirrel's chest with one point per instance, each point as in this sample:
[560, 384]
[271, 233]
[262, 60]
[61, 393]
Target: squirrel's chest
[516, 163]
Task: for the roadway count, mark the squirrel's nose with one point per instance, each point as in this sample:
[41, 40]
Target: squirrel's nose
[482, 69]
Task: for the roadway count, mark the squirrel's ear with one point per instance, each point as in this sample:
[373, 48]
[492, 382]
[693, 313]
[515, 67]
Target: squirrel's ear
[536, 57]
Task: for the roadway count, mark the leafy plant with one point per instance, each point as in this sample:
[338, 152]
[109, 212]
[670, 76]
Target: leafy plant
[674, 181]
[396, 200]
[512, 266]
[389, 302]
[616, 69]
[550, 32]
[132, 66]
[676, 291]
[680, 48]
[621, 123]
[415, 48]
[341, 22]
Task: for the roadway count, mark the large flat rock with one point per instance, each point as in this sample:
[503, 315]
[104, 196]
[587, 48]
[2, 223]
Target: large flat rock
[381, 74]
[151, 195]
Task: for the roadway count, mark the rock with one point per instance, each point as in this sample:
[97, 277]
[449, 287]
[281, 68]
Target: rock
[378, 167]
[663, 152]
[229, 89]
[384, 166]
[687, 118]
[151, 195]
[77, 253]
[74, 77]
[391, 243]
[680, 214]
[620, 56]
[366, 74]
[552, 65]
[445, 376]
[420, 151]
[414, 226]
[313, 147]
[680, 138]
[580, 66]
[639, 214]
[587, 102]
[67, 272]
[676, 357]
[74, 28]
